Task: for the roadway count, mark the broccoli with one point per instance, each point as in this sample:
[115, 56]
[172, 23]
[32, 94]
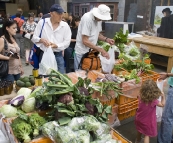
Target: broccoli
[21, 129]
[36, 121]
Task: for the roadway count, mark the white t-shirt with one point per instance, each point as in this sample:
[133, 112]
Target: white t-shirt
[90, 27]
[61, 36]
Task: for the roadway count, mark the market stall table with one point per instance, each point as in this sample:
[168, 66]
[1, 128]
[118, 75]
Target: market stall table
[156, 45]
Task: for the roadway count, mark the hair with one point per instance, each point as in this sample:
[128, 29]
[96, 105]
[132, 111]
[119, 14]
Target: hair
[18, 14]
[149, 91]
[8, 23]
[30, 15]
[75, 19]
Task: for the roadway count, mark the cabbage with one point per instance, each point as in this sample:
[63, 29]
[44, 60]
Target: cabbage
[25, 92]
[29, 105]
[8, 111]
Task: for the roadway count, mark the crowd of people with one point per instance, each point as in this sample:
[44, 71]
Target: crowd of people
[70, 37]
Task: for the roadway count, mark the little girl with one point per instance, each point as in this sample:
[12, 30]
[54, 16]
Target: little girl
[145, 119]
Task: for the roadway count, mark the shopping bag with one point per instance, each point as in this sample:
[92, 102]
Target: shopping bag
[159, 110]
[3, 132]
[48, 62]
[108, 64]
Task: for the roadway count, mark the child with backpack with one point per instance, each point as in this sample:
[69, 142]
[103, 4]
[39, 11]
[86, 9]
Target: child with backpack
[145, 119]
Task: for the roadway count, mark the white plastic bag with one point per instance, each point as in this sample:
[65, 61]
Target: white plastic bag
[48, 61]
[108, 64]
[159, 110]
[3, 132]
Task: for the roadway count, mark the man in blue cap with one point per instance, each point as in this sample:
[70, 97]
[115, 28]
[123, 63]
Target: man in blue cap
[56, 33]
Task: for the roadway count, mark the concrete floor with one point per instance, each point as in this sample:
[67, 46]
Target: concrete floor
[127, 129]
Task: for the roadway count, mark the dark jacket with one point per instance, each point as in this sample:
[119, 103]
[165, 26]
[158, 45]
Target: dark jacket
[166, 28]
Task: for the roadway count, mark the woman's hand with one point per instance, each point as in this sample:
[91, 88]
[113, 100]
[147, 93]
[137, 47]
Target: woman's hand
[163, 75]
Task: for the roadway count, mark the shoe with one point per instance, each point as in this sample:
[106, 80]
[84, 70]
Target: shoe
[27, 64]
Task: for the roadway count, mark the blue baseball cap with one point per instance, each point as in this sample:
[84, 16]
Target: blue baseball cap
[57, 8]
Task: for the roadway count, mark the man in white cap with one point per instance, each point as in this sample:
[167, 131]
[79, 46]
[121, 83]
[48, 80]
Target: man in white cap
[89, 33]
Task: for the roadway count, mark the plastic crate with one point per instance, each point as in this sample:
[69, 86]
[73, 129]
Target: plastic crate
[122, 99]
[150, 75]
[128, 107]
[116, 135]
[127, 110]
[127, 115]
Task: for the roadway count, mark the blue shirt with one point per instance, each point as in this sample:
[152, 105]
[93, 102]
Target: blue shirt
[14, 16]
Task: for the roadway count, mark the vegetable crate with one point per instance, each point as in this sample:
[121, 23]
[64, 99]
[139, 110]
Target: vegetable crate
[122, 99]
[117, 135]
[150, 75]
[127, 110]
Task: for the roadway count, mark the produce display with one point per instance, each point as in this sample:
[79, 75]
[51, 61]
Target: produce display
[26, 81]
[80, 112]
[85, 129]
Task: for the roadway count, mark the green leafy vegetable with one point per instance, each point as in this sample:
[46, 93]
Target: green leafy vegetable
[106, 46]
[121, 39]
[36, 121]
[21, 129]
[8, 111]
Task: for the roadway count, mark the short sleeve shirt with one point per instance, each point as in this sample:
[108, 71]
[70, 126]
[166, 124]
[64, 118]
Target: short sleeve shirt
[90, 27]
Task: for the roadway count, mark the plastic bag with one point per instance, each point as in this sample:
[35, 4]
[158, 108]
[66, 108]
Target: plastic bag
[159, 110]
[48, 61]
[108, 64]
[3, 132]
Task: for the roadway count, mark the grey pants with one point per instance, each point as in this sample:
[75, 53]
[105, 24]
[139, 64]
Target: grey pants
[20, 42]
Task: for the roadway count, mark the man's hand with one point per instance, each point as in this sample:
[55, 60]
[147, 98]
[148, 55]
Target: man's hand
[163, 75]
[104, 54]
[45, 42]
[53, 45]
[110, 41]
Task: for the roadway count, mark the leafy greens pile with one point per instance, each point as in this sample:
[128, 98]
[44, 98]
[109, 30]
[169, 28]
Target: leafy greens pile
[67, 100]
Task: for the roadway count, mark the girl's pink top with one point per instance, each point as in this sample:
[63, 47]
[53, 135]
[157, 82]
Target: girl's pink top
[145, 119]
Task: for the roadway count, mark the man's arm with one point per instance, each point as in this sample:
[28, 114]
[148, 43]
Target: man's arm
[87, 43]
[106, 39]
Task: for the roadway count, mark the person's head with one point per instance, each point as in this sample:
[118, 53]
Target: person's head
[41, 14]
[166, 12]
[75, 21]
[149, 91]
[19, 10]
[56, 13]
[9, 29]
[31, 17]
[0, 15]
[70, 17]
[18, 14]
[102, 12]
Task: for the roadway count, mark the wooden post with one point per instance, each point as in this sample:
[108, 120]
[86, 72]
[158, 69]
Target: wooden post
[169, 2]
[161, 3]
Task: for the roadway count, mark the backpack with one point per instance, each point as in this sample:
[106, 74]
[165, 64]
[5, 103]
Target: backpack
[18, 27]
[35, 52]
[90, 61]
